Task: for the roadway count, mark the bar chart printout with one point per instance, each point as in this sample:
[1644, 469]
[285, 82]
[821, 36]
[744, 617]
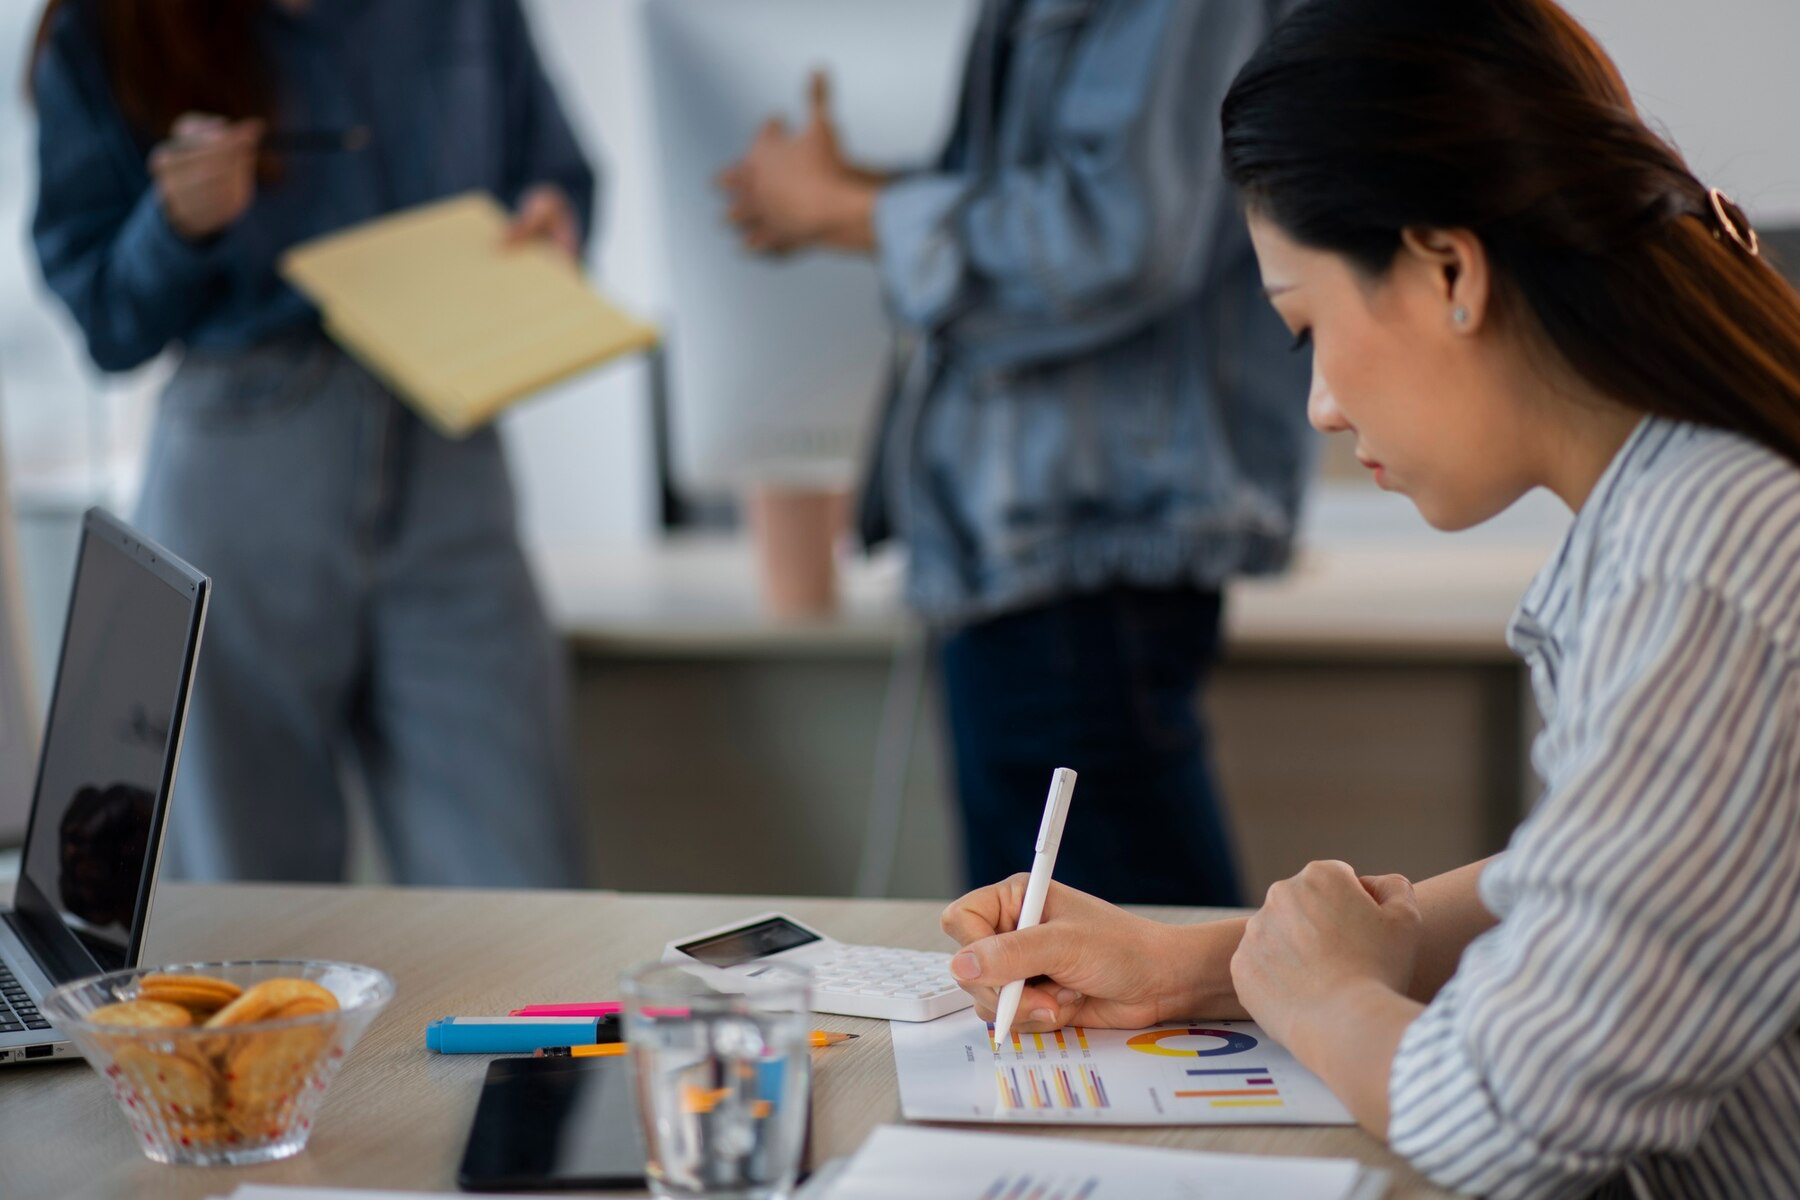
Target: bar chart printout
[945, 1164]
[1195, 1073]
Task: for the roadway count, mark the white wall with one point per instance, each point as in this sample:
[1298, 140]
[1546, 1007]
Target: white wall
[1722, 79]
[582, 454]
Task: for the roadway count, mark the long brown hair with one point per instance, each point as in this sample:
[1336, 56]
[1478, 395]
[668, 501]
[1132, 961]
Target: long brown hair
[168, 57]
[1360, 118]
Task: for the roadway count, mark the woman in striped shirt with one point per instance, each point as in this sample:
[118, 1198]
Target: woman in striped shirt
[1511, 283]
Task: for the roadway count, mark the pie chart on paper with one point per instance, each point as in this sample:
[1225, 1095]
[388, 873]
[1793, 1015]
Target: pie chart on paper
[1192, 1042]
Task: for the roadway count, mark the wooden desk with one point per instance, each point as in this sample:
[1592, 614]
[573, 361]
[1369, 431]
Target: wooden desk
[397, 1115]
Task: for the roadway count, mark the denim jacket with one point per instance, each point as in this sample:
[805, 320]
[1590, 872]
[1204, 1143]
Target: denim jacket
[1097, 391]
[450, 92]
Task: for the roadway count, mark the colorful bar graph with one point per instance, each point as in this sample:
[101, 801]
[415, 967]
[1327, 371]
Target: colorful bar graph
[1230, 1092]
[1031, 1187]
[1081, 1037]
[1049, 1087]
[1237, 1082]
[1061, 1042]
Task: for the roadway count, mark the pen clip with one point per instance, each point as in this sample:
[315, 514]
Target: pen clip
[1056, 809]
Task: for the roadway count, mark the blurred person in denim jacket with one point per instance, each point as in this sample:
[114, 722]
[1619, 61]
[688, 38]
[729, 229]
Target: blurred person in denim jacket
[1098, 422]
[371, 593]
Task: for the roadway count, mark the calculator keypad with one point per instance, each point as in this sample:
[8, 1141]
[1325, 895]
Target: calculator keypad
[879, 981]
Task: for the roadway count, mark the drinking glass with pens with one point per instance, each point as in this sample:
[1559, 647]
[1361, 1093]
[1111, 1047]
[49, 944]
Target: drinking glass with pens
[723, 1079]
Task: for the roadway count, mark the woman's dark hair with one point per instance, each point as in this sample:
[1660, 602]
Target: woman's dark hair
[1358, 119]
[168, 57]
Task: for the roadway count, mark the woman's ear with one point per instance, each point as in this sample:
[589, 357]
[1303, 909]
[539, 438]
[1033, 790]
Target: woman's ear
[1458, 270]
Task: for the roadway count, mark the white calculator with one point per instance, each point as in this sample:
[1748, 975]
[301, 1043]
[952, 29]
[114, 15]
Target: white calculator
[855, 981]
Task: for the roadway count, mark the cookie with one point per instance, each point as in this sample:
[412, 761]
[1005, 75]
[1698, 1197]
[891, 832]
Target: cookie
[259, 1121]
[275, 1000]
[176, 1087]
[142, 1014]
[201, 995]
[267, 1077]
[274, 1062]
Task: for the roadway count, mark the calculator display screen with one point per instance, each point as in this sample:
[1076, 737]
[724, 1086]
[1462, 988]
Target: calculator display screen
[751, 942]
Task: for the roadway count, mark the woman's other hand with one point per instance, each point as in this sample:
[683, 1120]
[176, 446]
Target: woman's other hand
[1087, 962]
[205, 172]
[545, 214]
[794, 190]
[1318, 935]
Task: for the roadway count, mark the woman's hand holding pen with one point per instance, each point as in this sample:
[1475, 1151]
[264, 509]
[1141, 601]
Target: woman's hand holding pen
[545, 214]
[1089, 962]
[205, 172]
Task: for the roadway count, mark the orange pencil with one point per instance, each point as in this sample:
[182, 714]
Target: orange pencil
[817, 1037]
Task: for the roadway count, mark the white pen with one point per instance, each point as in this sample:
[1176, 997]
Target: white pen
[1056, 811]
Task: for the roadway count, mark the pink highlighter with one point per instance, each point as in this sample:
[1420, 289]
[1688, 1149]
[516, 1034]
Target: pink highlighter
[603, 1008]
[598, 1008]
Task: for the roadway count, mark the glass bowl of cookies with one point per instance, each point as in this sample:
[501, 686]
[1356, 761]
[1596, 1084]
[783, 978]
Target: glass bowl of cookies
[220, 1063]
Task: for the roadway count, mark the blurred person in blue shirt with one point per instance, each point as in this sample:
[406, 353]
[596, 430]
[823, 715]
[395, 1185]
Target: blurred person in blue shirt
[373, 610]
[1096, 426]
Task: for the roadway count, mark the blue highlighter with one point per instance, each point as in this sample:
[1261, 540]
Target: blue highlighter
[517, 1035]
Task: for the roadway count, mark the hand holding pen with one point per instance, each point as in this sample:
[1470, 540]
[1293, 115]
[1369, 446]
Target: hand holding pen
[1087, 962]
[205, 172]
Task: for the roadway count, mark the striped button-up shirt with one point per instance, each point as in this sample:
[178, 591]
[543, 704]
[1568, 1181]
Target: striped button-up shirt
[1632, 1020]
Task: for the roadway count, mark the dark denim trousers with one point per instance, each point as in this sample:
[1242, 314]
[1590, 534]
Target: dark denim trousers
[1106, 683]
[372, 612]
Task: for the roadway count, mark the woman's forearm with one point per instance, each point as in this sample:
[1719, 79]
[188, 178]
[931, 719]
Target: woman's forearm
[1452, 916]
[1350, 1044]
[1200, 955]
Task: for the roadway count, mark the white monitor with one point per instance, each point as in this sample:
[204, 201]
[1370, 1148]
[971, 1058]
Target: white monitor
[775, 364]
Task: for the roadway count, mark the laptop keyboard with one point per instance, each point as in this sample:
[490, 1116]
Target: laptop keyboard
[17, 1012]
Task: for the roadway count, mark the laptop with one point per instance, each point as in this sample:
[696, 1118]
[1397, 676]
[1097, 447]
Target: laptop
[105, 771]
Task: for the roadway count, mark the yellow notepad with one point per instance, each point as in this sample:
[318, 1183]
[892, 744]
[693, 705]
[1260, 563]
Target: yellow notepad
[458, 324]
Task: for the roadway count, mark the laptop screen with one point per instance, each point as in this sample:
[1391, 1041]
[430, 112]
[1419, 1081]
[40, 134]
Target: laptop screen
[109, 745]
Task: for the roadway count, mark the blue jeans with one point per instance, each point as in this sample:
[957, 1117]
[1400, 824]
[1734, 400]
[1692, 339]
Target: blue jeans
[372, 612]
[1106, 683]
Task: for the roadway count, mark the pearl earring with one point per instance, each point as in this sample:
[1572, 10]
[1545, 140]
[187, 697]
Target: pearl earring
[1460, 314]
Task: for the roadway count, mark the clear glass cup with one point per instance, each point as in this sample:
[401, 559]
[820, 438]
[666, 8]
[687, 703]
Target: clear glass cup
[724, 1076]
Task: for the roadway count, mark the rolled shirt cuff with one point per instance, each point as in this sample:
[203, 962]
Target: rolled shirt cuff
[918, 247]
[151, 255]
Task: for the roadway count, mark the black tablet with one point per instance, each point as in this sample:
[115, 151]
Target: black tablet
[554, 1123]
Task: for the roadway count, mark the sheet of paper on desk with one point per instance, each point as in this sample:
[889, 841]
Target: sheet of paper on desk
[899, 1163]
[273, 1191]
[1203, 1073]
